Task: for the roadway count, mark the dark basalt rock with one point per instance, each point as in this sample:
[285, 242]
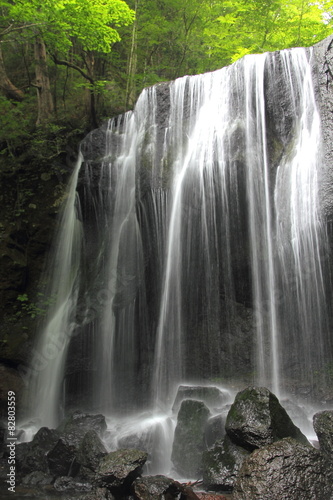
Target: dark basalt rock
[151, 487]
[221, 465]
[188, 443]
[120, 468]
[257, 419]
[323, 426]
[287, 470]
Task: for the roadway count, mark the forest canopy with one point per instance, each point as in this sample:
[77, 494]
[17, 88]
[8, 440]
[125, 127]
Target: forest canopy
[79, 61]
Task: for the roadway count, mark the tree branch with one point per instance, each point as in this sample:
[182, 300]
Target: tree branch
[73, 66]
[11, 28]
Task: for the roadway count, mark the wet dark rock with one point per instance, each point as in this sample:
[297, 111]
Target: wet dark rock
[138, 441]
[214, 430]
[31, 457]
[68, 483]
[120, 468]
[256, 419]
[62, 459]
[212, 396]
[77, 424]
[37, 478]
[91, 450]
[93, 147]
[323, 426]
[285, 469]
[85, 475]
[151, 487]
[188, 443]
[221, 465]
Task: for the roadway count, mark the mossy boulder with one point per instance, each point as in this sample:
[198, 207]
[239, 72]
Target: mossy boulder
[118, 469]
[323, 426]
[256, 419]
[91, 451]
[152, 487]
[221, 465]
[285, 469]
[188, 443]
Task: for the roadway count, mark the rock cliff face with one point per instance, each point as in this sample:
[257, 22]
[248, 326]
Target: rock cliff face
[219, 332]
[31, 197]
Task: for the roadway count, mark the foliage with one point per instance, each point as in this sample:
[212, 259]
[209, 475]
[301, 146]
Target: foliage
[99, 51]
[33, 309]
[249, 26]
[61, 23]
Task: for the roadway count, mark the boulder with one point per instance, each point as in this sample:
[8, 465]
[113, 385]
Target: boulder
[214, 430]
[287, 470]
[221, 465]
[31, 457]
[66, 483]
[61, 459]
[91, 450]
[212, 396]
[188, 443]
[37, 478]
[323, 426]
[118, 469]
[151, 487]
[257, 419]
[77, 424]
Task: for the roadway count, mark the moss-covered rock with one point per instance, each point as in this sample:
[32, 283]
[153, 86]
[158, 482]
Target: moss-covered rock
[257, 419]
[188, 443]
[323, 425]
[120, 468]
[221, 465]
[285, 469]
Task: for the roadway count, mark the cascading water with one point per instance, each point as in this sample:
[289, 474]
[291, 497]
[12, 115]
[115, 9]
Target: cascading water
[202, 248]
[50, 354]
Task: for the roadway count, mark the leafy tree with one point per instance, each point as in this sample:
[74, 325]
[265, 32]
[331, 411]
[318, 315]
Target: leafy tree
[72, 32]
[251, 26]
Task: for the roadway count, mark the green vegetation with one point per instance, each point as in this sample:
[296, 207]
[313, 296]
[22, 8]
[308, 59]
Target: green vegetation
[31, 308]
[78, 61]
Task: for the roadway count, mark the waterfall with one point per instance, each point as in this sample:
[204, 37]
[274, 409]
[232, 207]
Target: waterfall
[192, 247]
[49, 355]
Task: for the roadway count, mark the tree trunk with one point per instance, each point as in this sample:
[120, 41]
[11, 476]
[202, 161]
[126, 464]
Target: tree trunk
[90, 93]
[132, 62]
[7, 87]
[44, 95]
